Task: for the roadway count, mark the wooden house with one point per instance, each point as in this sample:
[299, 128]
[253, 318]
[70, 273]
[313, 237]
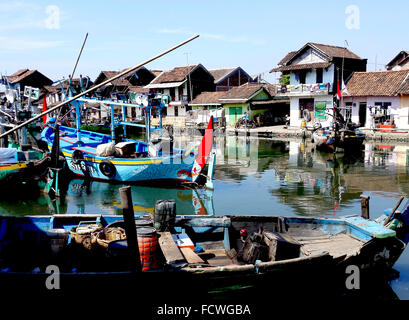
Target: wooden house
[253, 99]
[315, 69]
[227, 78]
[119, 87]
[26, 77]
[399, 62]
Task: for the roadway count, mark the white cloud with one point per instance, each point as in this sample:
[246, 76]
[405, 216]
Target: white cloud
[211, 36]
[14, 44]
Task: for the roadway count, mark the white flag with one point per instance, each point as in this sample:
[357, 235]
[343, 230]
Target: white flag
[344, 88]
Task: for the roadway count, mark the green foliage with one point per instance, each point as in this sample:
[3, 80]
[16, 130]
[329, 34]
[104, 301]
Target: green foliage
[284, 79]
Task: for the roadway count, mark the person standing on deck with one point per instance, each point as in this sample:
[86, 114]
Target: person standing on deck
[287, 121]
[372, 118]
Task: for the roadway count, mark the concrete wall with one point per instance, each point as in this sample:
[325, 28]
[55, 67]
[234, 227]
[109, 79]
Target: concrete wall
[399, 109]
[295, 119]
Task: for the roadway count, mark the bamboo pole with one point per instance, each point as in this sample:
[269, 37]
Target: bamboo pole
[76, 63]
[393, 211]
[130, 229]
[97, 86]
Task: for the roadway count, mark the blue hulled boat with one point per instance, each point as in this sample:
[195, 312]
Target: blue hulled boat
[206, 252]
[101, 156]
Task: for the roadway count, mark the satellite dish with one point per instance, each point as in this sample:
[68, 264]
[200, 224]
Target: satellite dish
[145, 101]
[138, 99]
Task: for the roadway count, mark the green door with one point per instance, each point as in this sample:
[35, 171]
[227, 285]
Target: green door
[235, 114]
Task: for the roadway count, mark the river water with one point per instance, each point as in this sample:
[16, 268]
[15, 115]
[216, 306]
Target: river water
[257, 176]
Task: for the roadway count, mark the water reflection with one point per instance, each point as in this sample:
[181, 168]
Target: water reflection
[254, 176]
[85, 196]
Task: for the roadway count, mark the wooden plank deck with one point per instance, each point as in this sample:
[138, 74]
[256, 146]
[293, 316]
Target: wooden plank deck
[336, 245]
[170, 249]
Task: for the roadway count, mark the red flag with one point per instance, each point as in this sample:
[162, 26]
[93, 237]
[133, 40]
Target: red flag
[338, 91]
[44, 109]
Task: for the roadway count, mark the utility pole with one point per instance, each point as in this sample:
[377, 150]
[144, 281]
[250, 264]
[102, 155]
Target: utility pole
[188, 76]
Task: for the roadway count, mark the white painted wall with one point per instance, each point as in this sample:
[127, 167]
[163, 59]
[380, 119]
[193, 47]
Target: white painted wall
[295, 119]
[181, 111]
[328, 74]
[311, 76]
[399, 115]
[309, 56]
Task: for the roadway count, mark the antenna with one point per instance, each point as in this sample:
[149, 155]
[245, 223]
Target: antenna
[188, 75]
[376, 61]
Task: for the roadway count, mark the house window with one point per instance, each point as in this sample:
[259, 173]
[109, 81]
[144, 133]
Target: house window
[319, 75]
[348, 111]
[382, 112]
[303, 75]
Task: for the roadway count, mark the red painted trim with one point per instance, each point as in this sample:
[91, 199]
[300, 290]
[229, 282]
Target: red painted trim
[66, 140]
[83, 150]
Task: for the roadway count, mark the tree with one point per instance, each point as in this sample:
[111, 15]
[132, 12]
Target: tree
[284, 79]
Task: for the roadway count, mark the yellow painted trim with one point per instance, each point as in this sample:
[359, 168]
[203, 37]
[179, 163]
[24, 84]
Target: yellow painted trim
[13, 166]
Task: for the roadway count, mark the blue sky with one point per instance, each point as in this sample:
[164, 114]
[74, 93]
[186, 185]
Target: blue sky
[47, 35]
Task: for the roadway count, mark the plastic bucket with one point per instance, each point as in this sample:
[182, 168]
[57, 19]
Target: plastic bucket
[148, 247]
[143, 223]
[147, 244]
[58, 239]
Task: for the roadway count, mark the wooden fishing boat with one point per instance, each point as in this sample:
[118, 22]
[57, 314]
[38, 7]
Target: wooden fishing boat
[19, 166]
[131, 160]
[341, 136]
[206, 253]
[343, 140]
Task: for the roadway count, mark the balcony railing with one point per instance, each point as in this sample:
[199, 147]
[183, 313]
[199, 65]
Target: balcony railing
[304, 89]
[182, 99]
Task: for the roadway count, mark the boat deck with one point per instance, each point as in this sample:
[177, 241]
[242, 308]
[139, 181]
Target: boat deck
[315, 241]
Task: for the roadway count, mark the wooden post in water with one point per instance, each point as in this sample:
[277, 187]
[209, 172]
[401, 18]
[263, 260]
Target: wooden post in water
[365, 206]
[130, 229]
[393, 211]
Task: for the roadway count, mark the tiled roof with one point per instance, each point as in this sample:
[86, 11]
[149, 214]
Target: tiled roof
[156, 72]
[138, 89]
[208, 98]
[302, 66]
[52, 89]
[219, 74]
[175, 75]
[75, 82]
[335, 51]
[121, 82]
[20, 75]
[244, 92]
[377, 83]
[330, 51]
